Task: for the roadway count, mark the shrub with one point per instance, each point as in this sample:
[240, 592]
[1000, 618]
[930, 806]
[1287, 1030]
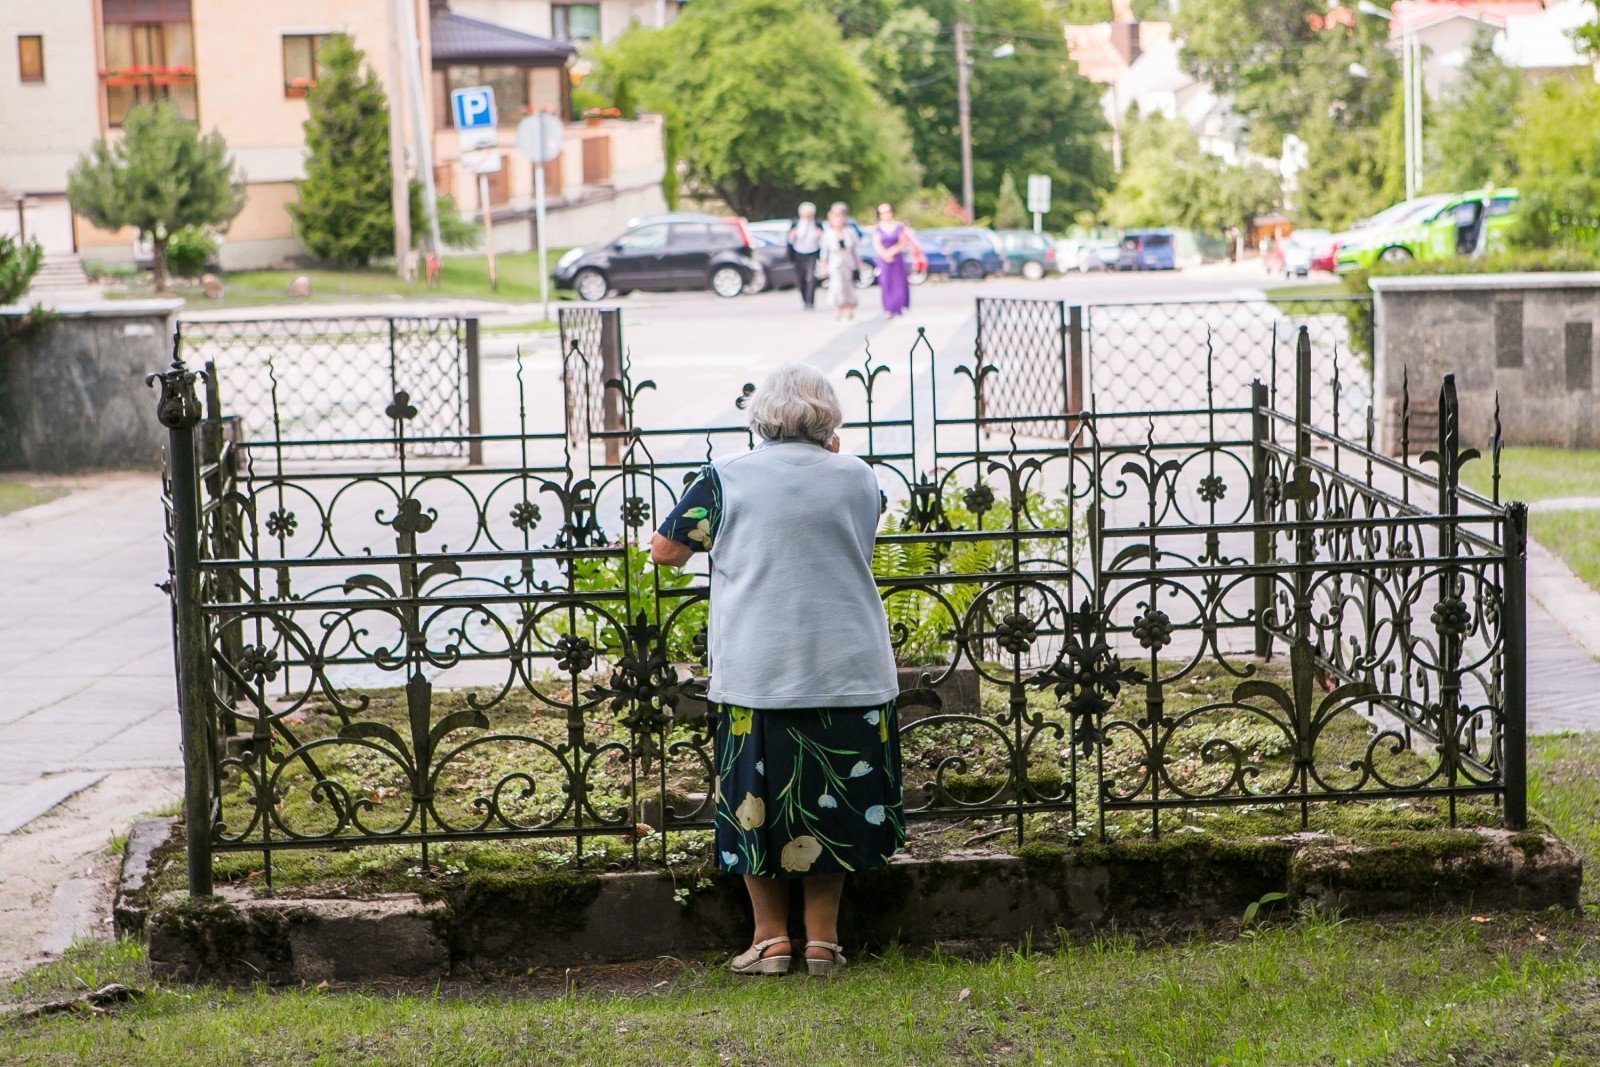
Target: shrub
[189, 251]
[18, 264]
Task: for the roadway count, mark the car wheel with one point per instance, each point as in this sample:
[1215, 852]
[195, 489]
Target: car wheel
[1395, 254]
[971, 270]
[917, 277]
[1033, 270]
[760, 281]
[591, 285]
[727, 281]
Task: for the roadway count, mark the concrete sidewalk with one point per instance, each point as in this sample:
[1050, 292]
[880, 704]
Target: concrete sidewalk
[88, 730]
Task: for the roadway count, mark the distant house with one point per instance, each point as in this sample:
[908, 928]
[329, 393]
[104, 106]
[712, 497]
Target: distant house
[71, 69]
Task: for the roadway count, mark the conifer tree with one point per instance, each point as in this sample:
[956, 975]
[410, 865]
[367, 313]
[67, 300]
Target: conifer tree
[345, 214]
[159, 178]
[1010, 213]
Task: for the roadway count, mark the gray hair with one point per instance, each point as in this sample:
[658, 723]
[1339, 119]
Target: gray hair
[806, 204]
[795, 401]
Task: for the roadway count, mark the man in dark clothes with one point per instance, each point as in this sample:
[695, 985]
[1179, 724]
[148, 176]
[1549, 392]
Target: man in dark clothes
[805, 242]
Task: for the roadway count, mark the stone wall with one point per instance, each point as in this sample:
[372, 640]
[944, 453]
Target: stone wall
[72, 393]
[1531, 338]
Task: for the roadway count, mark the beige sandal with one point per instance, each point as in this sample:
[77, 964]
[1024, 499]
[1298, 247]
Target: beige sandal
[751, 960]
[825, 968]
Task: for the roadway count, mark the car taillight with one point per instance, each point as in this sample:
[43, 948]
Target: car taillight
[1049, 255]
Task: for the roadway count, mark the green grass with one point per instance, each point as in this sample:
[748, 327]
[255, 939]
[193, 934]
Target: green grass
[14, 496]
[1292, 291]
[1306, 989]
[460, 276]
[1533, 474]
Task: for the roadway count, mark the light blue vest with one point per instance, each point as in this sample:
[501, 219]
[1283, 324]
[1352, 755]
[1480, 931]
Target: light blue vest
[796, 621]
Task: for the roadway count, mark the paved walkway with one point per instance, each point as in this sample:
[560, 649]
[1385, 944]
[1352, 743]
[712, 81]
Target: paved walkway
[88, 731]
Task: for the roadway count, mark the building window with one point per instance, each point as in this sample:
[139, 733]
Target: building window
[30, 58]
[149, 56]
[575, 22]
[301, 68]
[510, 85]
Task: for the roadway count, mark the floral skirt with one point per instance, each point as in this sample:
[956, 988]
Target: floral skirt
[804, 791]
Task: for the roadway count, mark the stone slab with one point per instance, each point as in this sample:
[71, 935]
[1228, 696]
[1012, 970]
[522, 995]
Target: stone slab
[21, 806]
[496, 921]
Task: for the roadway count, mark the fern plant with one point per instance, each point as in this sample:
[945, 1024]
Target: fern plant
[922, 625]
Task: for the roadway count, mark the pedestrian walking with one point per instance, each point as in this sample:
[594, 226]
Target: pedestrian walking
[803, 681]
[892, 241]
[840, 262]
[805, 242]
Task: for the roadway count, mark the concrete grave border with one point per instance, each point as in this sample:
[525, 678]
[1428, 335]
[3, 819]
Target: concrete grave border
[496, 921]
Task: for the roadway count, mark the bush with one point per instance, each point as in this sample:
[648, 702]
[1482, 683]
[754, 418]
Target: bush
[189, 251]
[18, 264]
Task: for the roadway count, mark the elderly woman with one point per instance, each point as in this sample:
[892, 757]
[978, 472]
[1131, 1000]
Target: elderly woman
[802, 674]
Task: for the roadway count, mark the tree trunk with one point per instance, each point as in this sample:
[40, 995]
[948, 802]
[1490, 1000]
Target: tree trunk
[158, 266]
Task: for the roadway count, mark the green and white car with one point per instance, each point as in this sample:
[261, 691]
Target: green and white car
[1429, 228]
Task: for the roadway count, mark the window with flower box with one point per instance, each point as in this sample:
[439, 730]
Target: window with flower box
[148, 47]
[301, 68]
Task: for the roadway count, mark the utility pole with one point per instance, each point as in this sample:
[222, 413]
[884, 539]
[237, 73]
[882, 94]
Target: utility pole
[419, 117]
[964, 109]
[399, 185]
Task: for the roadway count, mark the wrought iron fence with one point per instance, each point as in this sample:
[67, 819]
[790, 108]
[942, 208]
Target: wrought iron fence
[1154, 356]
[327, 380]
[1135, 623]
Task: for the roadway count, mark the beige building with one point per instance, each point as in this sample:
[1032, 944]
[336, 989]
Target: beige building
[71, 69]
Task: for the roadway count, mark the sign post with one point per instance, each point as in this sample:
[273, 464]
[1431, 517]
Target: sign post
[484, 163]
[1038, 199]
[477, 129]
[539, 138]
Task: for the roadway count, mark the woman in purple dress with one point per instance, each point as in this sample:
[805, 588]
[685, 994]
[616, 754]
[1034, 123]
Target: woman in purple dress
[892, 241]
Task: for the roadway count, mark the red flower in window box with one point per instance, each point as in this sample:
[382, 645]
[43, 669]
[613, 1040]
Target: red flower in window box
[299, 86]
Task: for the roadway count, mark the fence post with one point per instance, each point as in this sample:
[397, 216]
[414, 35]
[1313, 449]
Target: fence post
[1259, 429]
[474, 393]
[1514, 702]
[611, 369]
[1074, 349]
[179, 411]
[225, 531]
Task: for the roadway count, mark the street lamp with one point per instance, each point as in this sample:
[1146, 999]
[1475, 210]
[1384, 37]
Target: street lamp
[1411, 87]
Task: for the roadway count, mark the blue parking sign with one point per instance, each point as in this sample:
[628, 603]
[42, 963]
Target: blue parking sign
[473, 108]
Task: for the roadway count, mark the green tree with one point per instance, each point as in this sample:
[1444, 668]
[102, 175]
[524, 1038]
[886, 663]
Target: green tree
[1350, 123]
[1588, 37]
[1032, 112]
[1471, 142]
[1169, 181]
[1010, 213]
[161, 176]
[1255, 50]
[1557, 147]
[770, 105]
[345, 214]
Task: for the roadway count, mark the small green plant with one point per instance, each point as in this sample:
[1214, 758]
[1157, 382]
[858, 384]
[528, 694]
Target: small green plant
[189, 252]
[633, 574]
[1253, 909]
[19, 262]
[922, 624]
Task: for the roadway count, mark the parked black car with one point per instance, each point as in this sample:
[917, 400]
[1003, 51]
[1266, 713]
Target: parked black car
[665, 253]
